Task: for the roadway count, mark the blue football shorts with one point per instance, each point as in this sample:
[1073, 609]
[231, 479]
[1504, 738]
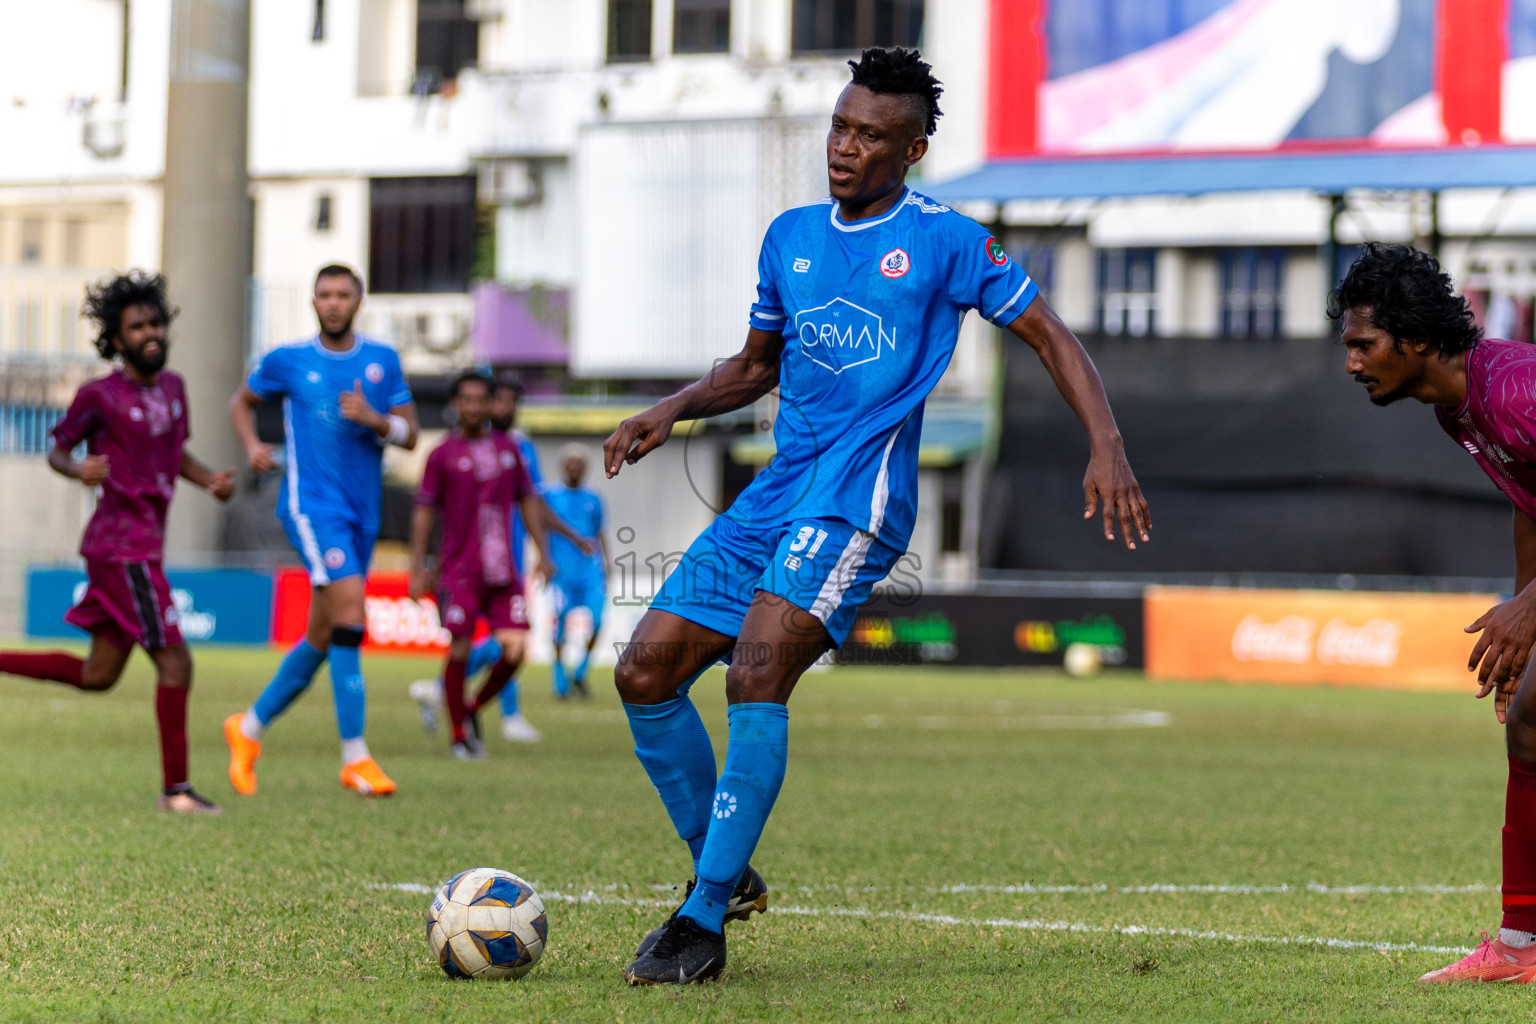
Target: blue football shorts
[825, 566]
[589, 591]
[332, 548]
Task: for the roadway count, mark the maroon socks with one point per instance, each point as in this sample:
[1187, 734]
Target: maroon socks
[171, 713]
[500, 673]
[50, 666]
[453, 695]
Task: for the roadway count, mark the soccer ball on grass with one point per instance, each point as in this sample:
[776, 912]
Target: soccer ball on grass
[486, 923]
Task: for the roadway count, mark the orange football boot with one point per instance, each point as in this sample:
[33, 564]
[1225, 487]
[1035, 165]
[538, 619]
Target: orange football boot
[243, 752]
[366, 778]
[1492, 960]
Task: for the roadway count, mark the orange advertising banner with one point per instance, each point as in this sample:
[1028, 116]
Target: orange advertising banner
[1391, 640]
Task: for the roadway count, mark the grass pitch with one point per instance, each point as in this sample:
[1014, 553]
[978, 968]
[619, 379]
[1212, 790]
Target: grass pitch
[952, 845]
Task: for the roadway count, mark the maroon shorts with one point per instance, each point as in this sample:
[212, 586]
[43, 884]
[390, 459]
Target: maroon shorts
[501, 607]
[127, 603]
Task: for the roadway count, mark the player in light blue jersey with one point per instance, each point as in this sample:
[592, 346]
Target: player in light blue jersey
[859, 304]
[344, 399]
[583, 579]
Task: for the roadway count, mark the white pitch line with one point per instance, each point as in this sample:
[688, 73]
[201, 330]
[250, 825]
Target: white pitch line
[1311, 888]
[1021, 924]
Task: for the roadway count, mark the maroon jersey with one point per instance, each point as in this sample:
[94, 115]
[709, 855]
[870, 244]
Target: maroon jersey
[475, 484]
[1497, 420]
[142, 431]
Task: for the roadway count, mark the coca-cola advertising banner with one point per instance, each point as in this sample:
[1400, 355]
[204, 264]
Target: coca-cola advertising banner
[1397, 640]
[395, 622]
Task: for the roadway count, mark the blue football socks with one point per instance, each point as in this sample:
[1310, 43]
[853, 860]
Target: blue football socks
[754, 771]
[484, 654]
[674, 748]
[347, 682]
[586, 659]
[559, 681]
[293, 677]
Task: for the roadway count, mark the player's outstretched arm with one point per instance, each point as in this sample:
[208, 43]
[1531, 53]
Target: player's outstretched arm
[730, 385]
[540, 520]
[423, 518]
[1109, 476]
[1508, 629]
[92, 470]
[242, 417]
[221, 485]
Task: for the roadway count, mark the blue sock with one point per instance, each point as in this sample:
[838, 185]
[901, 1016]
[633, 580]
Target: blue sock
[754, 771]
[674, 748]
[293, 677]
[562, 685]
[511, 700]
[347, 682]
[586, 659]
[484, 654]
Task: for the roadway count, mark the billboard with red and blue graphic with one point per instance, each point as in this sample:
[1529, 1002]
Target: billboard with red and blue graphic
[1077, 77]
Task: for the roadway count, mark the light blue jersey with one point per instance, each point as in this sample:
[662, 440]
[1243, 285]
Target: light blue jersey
[530, 456]
[582, 511]
[870, 311]
[334, 467]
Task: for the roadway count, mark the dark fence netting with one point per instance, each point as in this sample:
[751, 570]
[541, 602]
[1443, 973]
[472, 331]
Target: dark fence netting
[1256, 456]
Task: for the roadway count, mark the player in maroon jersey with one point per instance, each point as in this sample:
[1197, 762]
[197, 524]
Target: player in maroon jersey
[1408, 335]
[134, 425]
[474, 477]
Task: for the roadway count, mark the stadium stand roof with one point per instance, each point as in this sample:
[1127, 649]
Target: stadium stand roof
[1328, 173]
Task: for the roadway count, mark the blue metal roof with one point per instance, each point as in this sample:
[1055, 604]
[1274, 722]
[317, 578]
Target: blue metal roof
[1329, 173]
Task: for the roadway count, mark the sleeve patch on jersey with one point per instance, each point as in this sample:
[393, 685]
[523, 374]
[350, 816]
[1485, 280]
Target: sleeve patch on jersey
[995, 251]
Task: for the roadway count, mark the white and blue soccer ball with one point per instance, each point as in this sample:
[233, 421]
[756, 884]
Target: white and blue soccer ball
[487, 923]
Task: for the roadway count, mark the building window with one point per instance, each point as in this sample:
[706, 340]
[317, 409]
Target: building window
[1127, 291]
[701, 26]
[323, 212]
[447, 42]
[629, 29]
[821, 26]
[1251, 291]
[421, 234]
[1035, 253]
[317, 33]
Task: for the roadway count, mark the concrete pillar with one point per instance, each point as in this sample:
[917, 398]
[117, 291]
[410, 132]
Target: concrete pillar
[206, 239]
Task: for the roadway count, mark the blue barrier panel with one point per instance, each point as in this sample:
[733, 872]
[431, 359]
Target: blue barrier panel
[220, 606]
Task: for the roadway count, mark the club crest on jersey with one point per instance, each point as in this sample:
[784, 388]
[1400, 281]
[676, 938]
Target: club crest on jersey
[995, 251]
[374, 373]
[840, 335]
[895, 263]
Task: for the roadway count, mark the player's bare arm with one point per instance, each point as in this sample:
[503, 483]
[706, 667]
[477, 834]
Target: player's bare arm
[398, 426]
[242, 417]
[423, 518]
[539, 520]
[92, 470]
[1508, 629]
[731, 384]
[1109, 476]
[221, 484]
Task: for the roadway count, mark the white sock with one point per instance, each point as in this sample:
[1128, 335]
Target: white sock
[1516, 939]
[353, 750]
[251, 726]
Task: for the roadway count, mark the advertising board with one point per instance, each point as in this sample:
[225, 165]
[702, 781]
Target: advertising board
[220, 606]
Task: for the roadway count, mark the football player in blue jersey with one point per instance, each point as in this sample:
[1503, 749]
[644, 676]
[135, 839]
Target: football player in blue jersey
[583, 579]
[506, 396]
[859, 304]
[344, 399]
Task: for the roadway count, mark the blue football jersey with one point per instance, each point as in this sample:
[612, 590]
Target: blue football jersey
[530, 456]
[870, 311]
[334, 466]
[582, 511]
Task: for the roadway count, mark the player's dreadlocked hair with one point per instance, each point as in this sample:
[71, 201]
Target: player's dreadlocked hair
[898, 71]
[1408, 296]
[106, 300]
